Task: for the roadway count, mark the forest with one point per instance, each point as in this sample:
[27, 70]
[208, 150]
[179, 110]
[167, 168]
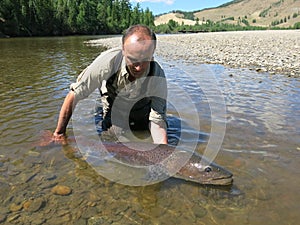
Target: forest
[70, 17]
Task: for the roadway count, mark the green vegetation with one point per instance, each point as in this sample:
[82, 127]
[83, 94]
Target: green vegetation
[284, 20]
[297, 25]
[228, 18]
[171, 27]
[66, 17]
[278, 3]
[186, 15]
[244, 21]
[265, 12]
[209, 26]
[70, 17]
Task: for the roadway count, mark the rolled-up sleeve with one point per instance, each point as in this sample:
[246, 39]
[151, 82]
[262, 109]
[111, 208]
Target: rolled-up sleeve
[88, 81]
[158, 110]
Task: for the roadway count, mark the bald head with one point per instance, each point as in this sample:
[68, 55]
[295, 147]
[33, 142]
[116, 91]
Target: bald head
[142, 32]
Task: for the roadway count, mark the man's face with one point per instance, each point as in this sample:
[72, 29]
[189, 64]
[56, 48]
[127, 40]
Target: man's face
[138, 54]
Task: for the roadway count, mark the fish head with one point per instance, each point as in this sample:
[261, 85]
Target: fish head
[200, 171]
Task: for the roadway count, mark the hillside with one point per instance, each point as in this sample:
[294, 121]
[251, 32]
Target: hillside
[280, 13]
[177, 17]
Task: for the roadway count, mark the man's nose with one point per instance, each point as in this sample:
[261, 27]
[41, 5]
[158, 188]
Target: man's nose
[138, 66]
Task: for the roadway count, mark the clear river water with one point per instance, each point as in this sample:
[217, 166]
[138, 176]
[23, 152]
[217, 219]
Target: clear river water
[252, 120]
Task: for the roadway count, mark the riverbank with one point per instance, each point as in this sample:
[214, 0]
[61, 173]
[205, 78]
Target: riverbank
[264, 51]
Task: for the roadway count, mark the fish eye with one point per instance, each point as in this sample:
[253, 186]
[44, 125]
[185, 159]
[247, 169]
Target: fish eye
[207, 169]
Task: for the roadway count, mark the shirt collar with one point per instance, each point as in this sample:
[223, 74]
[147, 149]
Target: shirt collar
[123, 68]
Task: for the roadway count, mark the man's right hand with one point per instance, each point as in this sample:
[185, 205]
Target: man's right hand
[47, 138]
[59, 138]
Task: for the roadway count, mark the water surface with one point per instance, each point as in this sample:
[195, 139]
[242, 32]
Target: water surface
[261, 145]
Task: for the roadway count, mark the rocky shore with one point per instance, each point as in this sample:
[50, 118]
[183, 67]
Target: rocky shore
[263, 51]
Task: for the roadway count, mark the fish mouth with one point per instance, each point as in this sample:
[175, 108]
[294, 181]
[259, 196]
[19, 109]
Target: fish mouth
[220, 181]
[216, 181]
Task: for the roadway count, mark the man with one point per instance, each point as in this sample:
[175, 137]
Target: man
[132, 86]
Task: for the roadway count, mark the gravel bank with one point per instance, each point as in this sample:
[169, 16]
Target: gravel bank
[264, 51]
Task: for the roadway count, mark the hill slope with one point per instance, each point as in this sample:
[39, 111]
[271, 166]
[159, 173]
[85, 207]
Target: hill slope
[177, 17]
[281, 13]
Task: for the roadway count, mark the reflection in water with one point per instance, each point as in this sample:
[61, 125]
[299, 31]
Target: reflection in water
[261, 146]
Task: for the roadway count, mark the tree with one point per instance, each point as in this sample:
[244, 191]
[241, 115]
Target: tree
[71, 22]
[135, 16]
[125, 10]
[62, 17]
[101, 17]
[148, 18]
[172, 24]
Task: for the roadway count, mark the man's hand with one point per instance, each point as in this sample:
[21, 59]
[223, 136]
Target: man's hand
[59, 138]
[47, 138]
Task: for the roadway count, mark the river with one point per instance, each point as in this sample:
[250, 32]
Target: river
[252, 120]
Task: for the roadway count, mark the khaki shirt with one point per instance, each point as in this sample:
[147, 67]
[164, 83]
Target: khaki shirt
[128, 93]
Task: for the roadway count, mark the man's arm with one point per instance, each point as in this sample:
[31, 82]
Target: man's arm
[158, 133]
[64, 116]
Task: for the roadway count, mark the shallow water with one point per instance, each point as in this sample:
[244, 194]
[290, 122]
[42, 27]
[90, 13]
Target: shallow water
[261, 144]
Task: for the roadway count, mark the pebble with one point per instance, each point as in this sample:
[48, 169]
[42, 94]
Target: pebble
[12, 218]
[34, 205]
[13, 172]
[217, 213]
[50, 177]
[49, 184]
[29, 177]
[96, 220]
[199, 211]
[33, 153]
[61, 190]
[15, 207]
[91, 204]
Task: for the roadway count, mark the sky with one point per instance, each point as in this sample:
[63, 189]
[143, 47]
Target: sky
[165, 6]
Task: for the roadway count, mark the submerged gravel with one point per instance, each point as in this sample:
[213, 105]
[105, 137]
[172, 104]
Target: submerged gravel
[264, 51]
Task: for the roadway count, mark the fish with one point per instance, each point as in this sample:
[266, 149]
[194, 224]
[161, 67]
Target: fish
[181, 164]
[178, 162]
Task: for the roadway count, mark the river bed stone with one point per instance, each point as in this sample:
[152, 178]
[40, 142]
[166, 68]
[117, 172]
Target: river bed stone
[61, 190]
[15, 207]
[272, 51]
[199, 211]
[34, 205]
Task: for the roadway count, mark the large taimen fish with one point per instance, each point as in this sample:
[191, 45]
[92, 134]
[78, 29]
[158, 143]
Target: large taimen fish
[146, 154]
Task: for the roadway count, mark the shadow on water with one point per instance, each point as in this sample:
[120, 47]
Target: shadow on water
[261, 146]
